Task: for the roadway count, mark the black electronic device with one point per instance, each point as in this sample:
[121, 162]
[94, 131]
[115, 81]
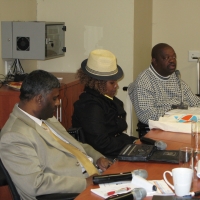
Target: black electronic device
[146, 140]
[137, 152]
[109, 178]
[126, 176]
[159, 144]
[145, 152]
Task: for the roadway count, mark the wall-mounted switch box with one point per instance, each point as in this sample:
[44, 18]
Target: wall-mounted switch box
[193, 56]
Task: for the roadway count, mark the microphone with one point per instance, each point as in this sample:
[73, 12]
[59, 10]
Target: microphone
[135, 194]
[127, 176]
[159, 144]
[182, 105]
[141, 172]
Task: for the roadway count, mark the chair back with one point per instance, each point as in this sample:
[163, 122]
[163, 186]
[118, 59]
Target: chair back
[77, 133]
[11, 185]
[3, 181]
[129, 113]
[142, 129]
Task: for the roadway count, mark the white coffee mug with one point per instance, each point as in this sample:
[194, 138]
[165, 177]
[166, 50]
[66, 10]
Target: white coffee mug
[182, 179]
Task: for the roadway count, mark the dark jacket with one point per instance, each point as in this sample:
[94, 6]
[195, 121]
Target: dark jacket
[103, 122]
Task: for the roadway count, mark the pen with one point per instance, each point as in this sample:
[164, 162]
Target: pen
[117, 191]
[197, 193]
[192, 194]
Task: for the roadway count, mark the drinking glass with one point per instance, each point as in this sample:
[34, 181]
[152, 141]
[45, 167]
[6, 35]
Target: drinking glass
[186, 157]
[195, 141]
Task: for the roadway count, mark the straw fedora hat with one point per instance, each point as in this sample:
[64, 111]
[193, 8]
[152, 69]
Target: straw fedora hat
[102, 65]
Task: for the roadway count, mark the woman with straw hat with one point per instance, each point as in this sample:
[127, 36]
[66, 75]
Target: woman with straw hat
[100, 114]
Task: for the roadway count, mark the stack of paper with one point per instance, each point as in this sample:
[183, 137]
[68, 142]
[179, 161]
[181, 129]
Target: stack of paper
[105, 189]
[170, 126]
[177, 120]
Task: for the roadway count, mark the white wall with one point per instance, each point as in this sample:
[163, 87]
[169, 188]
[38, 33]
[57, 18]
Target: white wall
[106, 24]
[142, 41]
[176, 22]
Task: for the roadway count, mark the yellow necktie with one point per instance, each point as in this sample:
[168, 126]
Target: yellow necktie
[87, 164]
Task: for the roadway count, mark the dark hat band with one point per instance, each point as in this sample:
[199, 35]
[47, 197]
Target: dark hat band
[101, 73]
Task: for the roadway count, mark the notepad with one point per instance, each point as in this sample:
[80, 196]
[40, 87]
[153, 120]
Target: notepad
[162, 188]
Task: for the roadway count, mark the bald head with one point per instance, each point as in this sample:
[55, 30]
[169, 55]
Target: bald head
[163, 59]
[158, 48]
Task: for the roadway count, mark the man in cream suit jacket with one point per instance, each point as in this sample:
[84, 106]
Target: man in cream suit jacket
[36, 162]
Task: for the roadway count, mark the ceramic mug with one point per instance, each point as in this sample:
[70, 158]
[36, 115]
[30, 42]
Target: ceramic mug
[182, 179]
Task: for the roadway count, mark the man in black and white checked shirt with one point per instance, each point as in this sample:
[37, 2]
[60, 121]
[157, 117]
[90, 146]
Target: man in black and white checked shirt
[157, 88]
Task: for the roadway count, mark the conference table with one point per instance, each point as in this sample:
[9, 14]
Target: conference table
[155, 170]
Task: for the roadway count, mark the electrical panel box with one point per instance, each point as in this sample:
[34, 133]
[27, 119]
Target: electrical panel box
[32, 40]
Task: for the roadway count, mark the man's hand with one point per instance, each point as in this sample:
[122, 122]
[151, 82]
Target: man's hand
[103, 163]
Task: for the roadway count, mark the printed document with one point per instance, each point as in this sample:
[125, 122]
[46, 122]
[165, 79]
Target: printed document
[103, 191]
